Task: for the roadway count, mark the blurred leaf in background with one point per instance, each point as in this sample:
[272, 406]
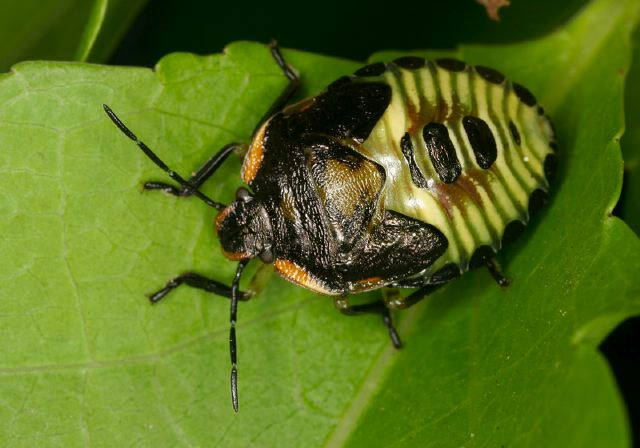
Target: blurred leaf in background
[63, 29]
[351, 30]
[629, 208]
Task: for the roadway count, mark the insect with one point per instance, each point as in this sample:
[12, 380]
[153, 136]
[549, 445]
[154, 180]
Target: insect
[404, 175]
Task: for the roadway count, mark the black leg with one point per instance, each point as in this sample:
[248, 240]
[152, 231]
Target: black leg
[288, 92]
[442, 276]
[196, 281]
[342, 304]
[437, 281]
[393, 334]
[199, 177]
[409, 283]
[495, 273]
[155, 159]
[416, 296]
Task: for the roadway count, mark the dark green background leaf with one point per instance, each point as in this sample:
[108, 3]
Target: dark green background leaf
[85, 359]
[62, 29]
[630, 202]
[347, 29]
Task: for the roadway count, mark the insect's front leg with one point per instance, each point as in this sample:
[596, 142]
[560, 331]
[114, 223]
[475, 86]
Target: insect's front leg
[199, 282]
[199, 177]
[343, 305]
[256, 284]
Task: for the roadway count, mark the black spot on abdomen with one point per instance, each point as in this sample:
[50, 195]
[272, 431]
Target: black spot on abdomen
[407, 150]
[453, 65]
[482, 141]
[480, 256]
[524, 94]
[489, 74]
[536, 201]
[442, 152]
[410, 62]
[512, 232]
[514, 133]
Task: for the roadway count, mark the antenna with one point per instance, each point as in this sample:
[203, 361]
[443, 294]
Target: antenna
[233, 315]
[155, 159]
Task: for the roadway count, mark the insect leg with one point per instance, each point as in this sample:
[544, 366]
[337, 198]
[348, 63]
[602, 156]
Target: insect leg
[409, 283]
[155, 159]
[289, 91]
[425, 285]
[414, 297]
[197, 281]
[496, 274]
[200, 176]
[342, 304]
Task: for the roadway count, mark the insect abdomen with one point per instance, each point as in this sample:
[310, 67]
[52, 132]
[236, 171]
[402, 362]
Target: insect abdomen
[463, 149]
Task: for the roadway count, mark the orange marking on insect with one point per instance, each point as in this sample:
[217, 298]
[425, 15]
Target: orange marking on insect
[298, 275]
[254, 157]
[367, 284]
[235, 256]
[221, 216]
[469, 187]
[369, 280]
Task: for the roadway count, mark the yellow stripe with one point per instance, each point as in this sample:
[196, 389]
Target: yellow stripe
[505, 187]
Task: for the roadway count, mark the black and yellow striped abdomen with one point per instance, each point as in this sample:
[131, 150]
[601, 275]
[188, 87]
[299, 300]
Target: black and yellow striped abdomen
[464, 150]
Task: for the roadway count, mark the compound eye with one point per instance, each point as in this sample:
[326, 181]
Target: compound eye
[266, 256]
[242, 194]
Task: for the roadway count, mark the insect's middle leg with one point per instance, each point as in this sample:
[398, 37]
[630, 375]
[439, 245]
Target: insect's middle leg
[343, 305]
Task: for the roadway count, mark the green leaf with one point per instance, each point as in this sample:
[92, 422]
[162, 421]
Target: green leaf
[107, 23]
[85, 359]
[630, 201]
[63, 29]
[91, 29]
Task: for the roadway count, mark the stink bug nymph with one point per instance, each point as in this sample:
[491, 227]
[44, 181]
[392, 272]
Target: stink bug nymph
[403, 175]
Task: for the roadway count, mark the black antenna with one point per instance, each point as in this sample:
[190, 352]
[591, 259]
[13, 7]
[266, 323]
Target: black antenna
[155, 159]
[233, 315]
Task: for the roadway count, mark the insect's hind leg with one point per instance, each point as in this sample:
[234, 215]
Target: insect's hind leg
[425, 285]
[496, 274]
[343, 305]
